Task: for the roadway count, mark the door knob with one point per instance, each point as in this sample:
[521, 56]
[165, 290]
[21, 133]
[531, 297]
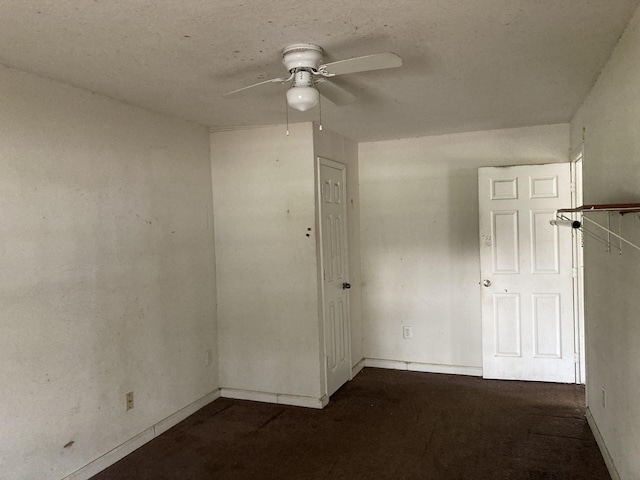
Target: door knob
[486, 283]
[346, 286]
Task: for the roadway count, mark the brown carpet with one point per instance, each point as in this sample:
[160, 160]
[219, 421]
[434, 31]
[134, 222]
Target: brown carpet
[384, 424]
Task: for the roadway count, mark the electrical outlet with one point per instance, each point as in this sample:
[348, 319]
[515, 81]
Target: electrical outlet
[129, 401]
[604, 398]
[407, 332]
[208, 358]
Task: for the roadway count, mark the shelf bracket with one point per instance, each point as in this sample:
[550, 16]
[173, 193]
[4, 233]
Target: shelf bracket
[613, 234]
[562, 220]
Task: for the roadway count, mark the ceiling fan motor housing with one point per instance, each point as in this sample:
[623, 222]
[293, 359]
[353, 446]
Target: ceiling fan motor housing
[302, 78]
[302, 56]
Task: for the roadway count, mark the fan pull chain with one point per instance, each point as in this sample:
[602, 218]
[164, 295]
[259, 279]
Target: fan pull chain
[286, 109]
[320, 108]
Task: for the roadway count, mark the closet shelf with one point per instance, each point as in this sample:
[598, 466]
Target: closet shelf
[621, 208]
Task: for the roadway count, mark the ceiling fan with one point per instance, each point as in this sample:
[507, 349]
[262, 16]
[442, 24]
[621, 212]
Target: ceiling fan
[309, 76]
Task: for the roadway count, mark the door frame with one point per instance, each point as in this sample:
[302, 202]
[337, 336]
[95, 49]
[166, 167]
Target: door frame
[578, 267]
[320, 255]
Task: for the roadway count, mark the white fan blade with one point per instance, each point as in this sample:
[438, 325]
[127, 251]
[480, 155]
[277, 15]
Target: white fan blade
[273, 80]
[377, 61]
[335, 94]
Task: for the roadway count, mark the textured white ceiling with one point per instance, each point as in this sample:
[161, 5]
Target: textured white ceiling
[468, 64]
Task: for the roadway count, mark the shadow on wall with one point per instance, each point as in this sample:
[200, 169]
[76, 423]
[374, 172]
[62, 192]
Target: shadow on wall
[464, 255]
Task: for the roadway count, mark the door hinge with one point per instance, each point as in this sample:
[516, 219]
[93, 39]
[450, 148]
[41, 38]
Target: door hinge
[574, 272]
[576, 358]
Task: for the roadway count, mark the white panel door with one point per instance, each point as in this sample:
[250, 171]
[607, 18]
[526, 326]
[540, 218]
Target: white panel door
[526, 274]
[333, 230]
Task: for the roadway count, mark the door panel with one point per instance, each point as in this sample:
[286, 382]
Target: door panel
[335, 273]
[527, 303]
[506, 320]
[547, 339]
[544, 243]
[504, 229]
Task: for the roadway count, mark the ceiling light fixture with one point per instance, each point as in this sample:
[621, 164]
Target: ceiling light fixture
[302, 95]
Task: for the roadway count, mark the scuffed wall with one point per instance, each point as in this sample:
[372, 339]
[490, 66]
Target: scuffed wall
[419, 233]
[107, 286]
[609, 121]
[264, 203]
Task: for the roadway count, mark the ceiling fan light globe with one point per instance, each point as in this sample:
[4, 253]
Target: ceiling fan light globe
[302, 98]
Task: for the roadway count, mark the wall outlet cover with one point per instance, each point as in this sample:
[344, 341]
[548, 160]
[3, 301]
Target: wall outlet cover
[407, 332]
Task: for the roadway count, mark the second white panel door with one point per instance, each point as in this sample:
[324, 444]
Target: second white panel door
[526, 271]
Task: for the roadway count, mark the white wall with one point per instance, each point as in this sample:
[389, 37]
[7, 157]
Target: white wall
[107, 281]
[610, 118]
[270, 329]
[419, 234]
[335, 147]
[264, 204]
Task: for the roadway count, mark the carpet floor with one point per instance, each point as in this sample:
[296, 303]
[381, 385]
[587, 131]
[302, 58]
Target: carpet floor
[384, 424]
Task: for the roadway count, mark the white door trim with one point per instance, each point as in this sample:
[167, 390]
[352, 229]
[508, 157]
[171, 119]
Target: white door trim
[578, 268]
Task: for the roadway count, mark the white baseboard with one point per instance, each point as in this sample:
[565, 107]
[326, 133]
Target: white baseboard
[121, 451]
[603, 447]
[357, 368]
[423, 367]
[278, 398]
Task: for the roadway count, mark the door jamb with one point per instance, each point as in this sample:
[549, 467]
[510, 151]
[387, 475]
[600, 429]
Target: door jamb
[578, 267]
